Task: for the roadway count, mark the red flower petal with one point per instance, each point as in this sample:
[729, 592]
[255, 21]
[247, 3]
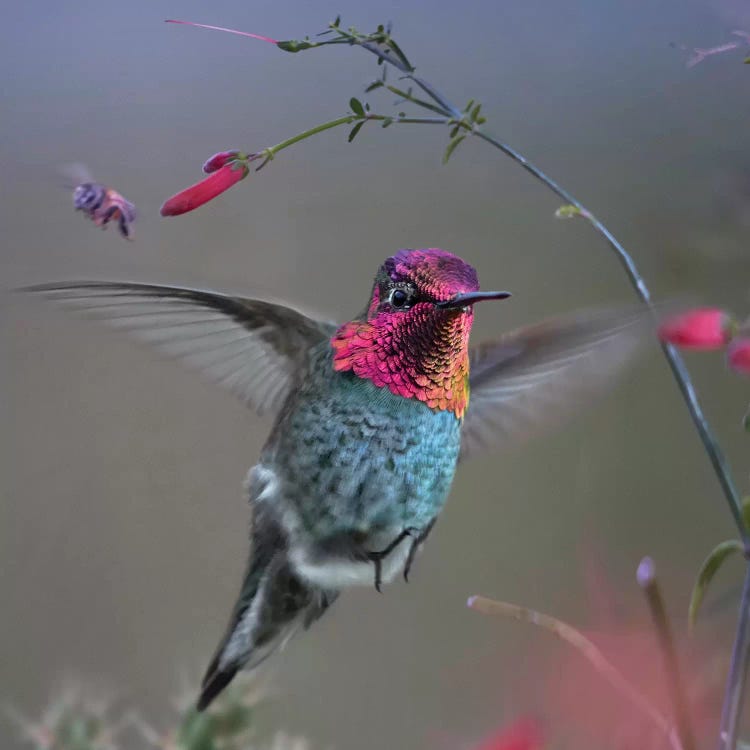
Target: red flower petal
[217, 161]
[523, 734]
[738, 355]
[703, 328]
[205, 190]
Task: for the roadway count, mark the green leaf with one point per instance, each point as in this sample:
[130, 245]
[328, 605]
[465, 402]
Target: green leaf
[452, 145]
[746, 511]
[336, 23]
[567, 211]
[469, 105]
[475, 112]
[388, 121]
[746, 421]
[708, 570]
[294, 45]
[374, 85]
[747, 61]
[356, 107]
[355, 130]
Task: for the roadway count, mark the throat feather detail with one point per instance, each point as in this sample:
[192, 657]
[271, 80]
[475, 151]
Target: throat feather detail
[421, 354]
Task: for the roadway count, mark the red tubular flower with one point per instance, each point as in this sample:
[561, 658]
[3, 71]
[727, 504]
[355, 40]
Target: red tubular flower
[217, 161]
[205, 190]
[523, 734]
[704, 328]
[738, 355]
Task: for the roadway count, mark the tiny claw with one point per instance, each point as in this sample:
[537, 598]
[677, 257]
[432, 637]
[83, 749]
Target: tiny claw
[378, 563]
[415, 545]
[377, 557]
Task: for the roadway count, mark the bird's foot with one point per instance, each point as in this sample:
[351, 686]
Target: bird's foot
[416, 542]
[376, 558]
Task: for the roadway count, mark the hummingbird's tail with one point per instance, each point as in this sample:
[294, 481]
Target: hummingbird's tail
[273, 603]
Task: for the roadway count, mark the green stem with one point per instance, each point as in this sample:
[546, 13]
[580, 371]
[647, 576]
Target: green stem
[647, 581]
[420, 102]
[269, 152]
[273, 150]
[730, 712]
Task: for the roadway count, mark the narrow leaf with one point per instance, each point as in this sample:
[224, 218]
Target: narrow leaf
[374, 85]
[356, 107]
[452, 145]
[355, 130]
[708, 570]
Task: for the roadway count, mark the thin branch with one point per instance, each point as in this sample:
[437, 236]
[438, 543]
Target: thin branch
[589, 650]
[730, 712]
[646, 577]
[679, 370]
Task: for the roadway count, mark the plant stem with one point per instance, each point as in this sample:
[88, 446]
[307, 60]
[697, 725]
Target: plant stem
[589, 650]
[347, 119]
[676, 363]
[730, 712]
[269, 152]
[647, 581]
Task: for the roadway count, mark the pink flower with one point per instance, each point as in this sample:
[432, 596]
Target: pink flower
[217, 161]
[703, 328]
[205, 190]
[738, 355]
[523, 734]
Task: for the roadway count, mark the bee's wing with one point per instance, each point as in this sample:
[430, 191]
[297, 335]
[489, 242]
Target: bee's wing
[255, 349]
[74, 174]
[528, 380]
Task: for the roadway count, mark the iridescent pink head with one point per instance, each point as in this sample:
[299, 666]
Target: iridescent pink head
[413, 337]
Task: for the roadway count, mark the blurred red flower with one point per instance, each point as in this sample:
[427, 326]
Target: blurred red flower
[523, 734]
[738, 355]
[702, 328]
[205, 190]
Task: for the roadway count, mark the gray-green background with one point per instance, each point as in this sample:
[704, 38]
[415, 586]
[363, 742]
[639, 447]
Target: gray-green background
[122, 521]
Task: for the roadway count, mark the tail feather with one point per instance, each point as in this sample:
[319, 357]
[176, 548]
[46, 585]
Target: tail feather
[273, 603]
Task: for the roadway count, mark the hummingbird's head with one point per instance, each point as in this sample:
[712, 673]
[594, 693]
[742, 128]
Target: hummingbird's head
[413, 337]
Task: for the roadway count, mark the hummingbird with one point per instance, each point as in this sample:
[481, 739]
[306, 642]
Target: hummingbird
[371, 418]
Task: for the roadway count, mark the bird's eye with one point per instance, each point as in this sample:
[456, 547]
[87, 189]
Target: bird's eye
[399, 298]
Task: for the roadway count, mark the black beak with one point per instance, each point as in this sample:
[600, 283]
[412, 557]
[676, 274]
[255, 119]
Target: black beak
[469, 298]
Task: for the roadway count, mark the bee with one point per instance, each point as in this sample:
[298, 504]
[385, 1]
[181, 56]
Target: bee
[99, 202]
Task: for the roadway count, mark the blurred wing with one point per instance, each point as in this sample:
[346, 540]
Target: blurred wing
[527, 380]
[253, 348]
[74, 174]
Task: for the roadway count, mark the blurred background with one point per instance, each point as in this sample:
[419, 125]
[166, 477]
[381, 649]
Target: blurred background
[122, 518]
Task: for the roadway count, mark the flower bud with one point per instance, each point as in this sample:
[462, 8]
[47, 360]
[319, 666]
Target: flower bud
[217, 161]
[205, 190]
[703, 328]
